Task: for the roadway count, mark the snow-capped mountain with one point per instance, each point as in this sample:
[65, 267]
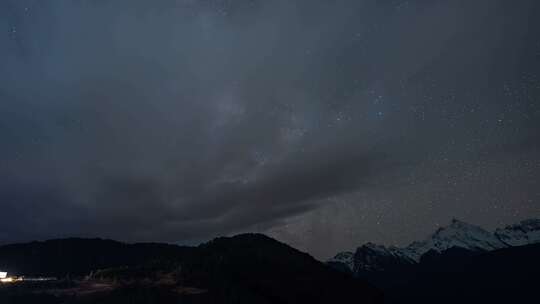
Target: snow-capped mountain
[346, 258]
[526, 232]
[372, 257]
[457, 234]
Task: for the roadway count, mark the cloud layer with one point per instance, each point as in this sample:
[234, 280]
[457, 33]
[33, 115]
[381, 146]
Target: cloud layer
[183, 120]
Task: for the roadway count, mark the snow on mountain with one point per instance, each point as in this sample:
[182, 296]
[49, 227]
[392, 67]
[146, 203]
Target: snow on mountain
[457, 234]
[526, 232]
[346, 258]
[372, 257]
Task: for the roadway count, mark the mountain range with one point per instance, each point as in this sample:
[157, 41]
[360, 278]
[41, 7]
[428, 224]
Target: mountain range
[459, 263]
[247, 268]
[458, 234]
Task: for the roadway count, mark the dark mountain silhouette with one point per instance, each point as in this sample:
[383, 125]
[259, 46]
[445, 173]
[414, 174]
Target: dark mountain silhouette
[508, 275]
[77, 257]
[249, 268]
[458, 275]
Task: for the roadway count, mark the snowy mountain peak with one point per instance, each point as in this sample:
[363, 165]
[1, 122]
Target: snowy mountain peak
[523, 233]
[346, 258]
[459, 234]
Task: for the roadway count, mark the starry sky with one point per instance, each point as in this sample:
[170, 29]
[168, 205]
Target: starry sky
[325, 124]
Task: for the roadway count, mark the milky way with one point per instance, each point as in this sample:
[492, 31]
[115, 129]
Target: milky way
[323, 124]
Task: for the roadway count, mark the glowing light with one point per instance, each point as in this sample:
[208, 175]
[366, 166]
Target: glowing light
[3, 275]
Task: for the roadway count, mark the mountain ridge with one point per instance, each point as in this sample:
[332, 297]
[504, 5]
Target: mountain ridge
[458, 234]
[247, 268]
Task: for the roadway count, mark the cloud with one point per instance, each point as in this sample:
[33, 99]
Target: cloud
[171, 122]
[182, 120]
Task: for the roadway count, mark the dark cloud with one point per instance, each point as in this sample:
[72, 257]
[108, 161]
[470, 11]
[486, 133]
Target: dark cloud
[180, 115]
[180, 120]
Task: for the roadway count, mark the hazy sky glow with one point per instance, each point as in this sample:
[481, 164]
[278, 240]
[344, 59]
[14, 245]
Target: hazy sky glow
[323, 123]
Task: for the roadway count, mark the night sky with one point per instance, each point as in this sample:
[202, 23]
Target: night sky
[325, 124]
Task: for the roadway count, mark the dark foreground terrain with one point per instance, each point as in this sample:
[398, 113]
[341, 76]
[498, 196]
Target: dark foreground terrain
[248, 268]
[253, 268]
[509, 275]
[458, 263]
